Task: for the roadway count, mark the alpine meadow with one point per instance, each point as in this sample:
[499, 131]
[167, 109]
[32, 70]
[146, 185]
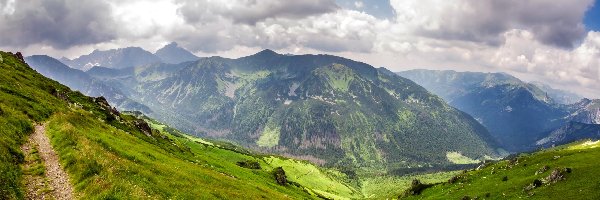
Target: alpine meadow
[314, 99]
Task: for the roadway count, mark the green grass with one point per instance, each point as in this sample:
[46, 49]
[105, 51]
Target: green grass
[106, 162]
[487, 183]
[269, 136]
[324, 183]
[109, 158]
[339, 76]
[388, 187]
[458, 158]
[320, 182]
[37, 167]
[24, 99]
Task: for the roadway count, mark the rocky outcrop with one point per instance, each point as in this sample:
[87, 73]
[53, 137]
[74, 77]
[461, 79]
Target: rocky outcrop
[586, 111]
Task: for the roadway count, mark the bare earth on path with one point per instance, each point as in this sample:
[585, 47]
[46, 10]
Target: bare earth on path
[57, 178]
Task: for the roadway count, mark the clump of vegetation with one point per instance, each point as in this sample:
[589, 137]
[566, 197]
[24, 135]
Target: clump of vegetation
[416, 187]
[455, 179]
[280, 177]
[535, 184]
[250, 164]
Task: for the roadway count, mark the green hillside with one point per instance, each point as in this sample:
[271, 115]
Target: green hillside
[111, 155]
[566, 172]
[329, 110]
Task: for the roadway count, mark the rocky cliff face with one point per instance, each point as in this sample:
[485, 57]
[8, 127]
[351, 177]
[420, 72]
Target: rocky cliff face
[586, 111]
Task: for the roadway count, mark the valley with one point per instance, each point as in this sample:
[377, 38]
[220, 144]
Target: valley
[239, 138]
[312, 99]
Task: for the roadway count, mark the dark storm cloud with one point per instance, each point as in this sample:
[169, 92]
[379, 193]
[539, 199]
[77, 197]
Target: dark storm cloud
[252, 11]
[58, 23]
[557, 23]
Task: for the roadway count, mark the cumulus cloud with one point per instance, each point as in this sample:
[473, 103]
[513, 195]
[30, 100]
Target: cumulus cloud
[341, 30]
[535, 39]
[557, 23]
[59, 23]
[577, 67]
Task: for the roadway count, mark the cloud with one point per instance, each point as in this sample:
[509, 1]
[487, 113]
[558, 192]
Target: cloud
[341, 30]
[575, 68]
[252, 11]
[59, 23]
[557, 23]
[534, 39]
[359, 4]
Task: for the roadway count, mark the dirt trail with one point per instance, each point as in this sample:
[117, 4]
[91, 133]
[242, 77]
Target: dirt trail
[57, 178]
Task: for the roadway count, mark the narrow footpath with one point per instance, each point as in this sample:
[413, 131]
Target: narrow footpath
[54, 182]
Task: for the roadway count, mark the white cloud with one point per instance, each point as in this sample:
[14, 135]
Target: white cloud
[359, 4]
[535, 39]
[8, 7]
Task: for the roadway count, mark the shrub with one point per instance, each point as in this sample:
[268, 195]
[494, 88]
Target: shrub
[280, 177]
[416, 187]
[250, 164]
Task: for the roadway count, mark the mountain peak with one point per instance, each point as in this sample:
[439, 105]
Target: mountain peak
[172, 53]
[172, 44]
[266, 52]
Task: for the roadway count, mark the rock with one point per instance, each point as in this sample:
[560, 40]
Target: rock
[143, 126]
[542, 170]
[106, 106]
[557, 174]
[536, 183]
[20, 56]
[513, 162]
[280, 176]
[60, 94]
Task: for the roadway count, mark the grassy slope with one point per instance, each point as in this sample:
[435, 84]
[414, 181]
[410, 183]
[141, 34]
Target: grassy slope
[317, 181]
[111, 158]
[388, 187]
[24, 99]
[581, 183]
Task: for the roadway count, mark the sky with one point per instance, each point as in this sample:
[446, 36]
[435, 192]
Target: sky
[555, 42]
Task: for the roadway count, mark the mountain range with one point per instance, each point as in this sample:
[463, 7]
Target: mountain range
[334, 111]
[130, 57]
[516, 113]
[330, 110]
[299, 106]
[81, 81]
[106, 154]
[364, 126]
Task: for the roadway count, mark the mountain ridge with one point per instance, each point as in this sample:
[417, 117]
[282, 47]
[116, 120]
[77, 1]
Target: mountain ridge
[172, 53]
[510, 108]
[253, 99]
